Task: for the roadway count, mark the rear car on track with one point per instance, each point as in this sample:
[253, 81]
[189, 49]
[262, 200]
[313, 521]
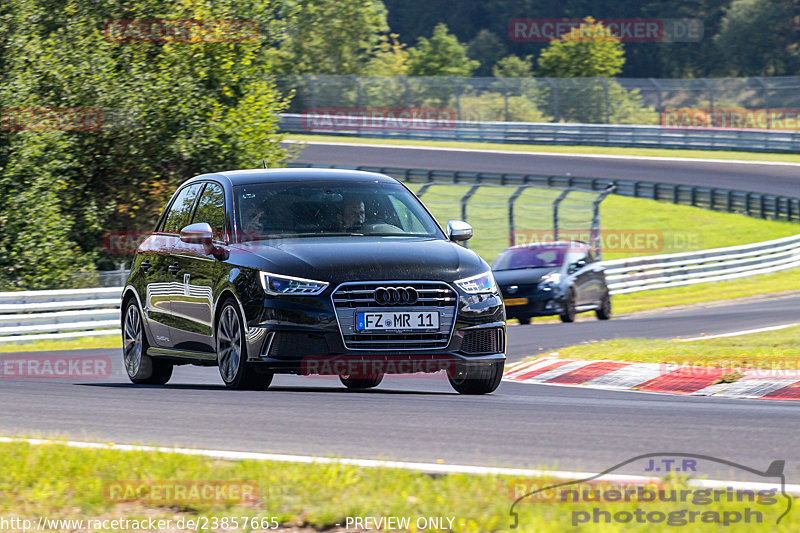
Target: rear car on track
[310, 271]
[552, 278]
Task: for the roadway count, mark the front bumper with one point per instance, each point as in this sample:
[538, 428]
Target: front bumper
[539, 303]
[302, 335]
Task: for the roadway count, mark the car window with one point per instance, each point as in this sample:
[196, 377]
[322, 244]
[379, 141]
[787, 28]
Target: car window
[409, 221]
[211, 209]
[281, 209]
[180, 211]
[534, 257]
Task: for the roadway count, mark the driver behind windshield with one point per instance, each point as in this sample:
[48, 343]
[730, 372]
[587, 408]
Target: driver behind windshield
[351, 215]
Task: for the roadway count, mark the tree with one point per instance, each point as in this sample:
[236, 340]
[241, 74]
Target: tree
[587, 51]
[486, 48]
[758, 38]
[331, 36]
[441, 55]
[170, 110]
[514, 67]
[389, 58]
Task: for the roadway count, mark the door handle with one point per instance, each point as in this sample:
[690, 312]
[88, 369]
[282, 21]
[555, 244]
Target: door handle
[174, 269]
[145, 266]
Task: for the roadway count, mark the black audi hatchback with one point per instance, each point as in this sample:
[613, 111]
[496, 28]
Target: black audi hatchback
[310, 271]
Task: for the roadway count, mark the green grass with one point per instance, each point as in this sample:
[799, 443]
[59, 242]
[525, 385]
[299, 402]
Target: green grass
[605, 150]
[80, 343]
[769, 349]
[661, 227]
[57, 481]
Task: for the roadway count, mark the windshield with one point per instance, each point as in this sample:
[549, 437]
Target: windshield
[321, 208]
[514, 258]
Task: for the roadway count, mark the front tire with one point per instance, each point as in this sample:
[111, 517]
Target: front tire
[234, 369]
[524, 319]
[481, 379]
[361, 383]
[140, 367]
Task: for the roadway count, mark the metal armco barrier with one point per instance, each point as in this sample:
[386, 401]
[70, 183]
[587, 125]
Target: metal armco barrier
[754, 204]
[559, 134]
[35, 315]
[59, 314]
[689, 268]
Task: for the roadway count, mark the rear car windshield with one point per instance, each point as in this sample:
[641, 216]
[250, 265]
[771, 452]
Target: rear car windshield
[321, 208]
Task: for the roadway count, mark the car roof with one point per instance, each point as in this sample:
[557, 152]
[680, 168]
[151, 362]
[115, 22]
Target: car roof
[551, 244]
[244, 177]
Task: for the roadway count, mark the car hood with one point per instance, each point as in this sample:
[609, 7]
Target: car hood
[522, 276]
[339, 259]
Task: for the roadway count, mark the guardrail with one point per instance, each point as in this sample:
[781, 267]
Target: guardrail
[754, 204]
[551, 133]
[689, 268]
[35, 315]
[59, 314]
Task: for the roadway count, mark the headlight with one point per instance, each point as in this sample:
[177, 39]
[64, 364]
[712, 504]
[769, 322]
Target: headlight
[550, 281]
[480, 284]
[277, 285]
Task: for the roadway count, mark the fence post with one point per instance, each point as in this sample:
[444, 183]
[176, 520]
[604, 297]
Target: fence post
[605, 93]
[556, 116]
[594, 232]
[766, 99]
[359, 100]
[505, 97]
[511, 201]
[458, 99]
[407, 91]
[658, 95]
[310, 80]
[464, 200]
[556, 202]
[710, 96]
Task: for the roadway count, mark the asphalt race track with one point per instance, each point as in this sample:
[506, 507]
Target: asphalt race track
[422, 419]
[771, 178]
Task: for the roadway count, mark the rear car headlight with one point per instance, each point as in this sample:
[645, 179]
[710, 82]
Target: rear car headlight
[480, 284]
[277, 285]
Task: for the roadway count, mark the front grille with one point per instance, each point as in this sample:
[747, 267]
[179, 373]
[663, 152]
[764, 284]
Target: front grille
[489, 340]
[350, 297]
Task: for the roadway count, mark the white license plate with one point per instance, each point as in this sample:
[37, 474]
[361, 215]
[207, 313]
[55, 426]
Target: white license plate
[397, 321]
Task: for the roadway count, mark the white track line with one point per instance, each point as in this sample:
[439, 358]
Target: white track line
[429, 468]
[742, 332]
[552, 154]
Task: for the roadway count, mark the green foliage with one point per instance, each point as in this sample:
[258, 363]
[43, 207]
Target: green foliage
[330, 36]
[514, 67]
[441, 55]
[170, 110]
[590, 50]
[487, 49]
[758, 37]
[389, 58]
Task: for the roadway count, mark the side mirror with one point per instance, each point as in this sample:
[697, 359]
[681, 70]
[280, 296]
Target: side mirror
[200, 233]
[574, 267]
[458, 230]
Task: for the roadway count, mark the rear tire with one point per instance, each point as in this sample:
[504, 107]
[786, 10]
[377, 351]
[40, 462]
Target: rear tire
[604, 311]
[234, 369]
[568, 314]
[481, 379]
[141, 368]
[361, 383]
[524, 319]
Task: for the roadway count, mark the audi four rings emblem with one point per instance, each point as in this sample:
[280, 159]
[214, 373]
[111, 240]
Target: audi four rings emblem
[396, 296]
